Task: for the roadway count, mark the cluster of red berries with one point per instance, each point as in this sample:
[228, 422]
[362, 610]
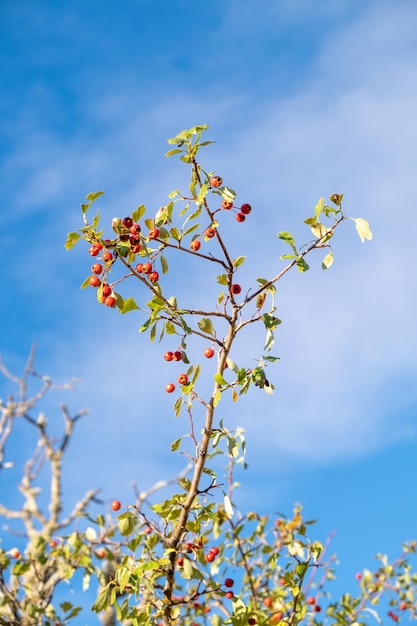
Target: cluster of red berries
[131, 235]
[146, 268]
[243, 211]
[211, 554]
[182, 378]
[209, 233]
[393, 616]
[107, 296]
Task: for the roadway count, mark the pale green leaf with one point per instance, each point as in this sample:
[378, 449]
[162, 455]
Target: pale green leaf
[363, 229]
[239, 261]
[327, 261]
[72, 239]
[206, 325]
[228, 506]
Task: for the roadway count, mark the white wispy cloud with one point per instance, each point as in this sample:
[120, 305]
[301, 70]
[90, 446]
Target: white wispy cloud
[346, 334]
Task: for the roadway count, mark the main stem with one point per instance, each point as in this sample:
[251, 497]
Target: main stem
[201, 455]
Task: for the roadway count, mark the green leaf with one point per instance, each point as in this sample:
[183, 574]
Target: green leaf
[103, 600]
[175, 233]
[138, 213]
[93, 195]
[327, 261]
[222, 279]
[126, 524]
[301, 569]
[202, 194]
[164, 264]
[287, 237]
[172, 152]
[177, 407]
[270, 321]
[239, 261]
[318, 208]
[86, 283]
[72, 239]
[302, 265]
[219, 379]
[362, 227]
[217, 398]
[170, 328]
[187, 569]
[228, 194]
[96, 220]
[206, 325]
[128, 305]
[191, 230]
[176, 444]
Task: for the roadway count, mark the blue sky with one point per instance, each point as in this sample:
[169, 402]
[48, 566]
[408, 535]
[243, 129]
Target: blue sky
[304, 99]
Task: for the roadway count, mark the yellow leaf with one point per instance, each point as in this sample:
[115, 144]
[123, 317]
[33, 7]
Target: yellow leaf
[363, 229]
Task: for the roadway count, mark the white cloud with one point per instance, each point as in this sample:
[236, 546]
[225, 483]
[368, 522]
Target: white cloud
[346, 333]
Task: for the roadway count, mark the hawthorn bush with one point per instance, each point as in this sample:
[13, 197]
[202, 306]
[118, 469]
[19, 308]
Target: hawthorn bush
[192, 558]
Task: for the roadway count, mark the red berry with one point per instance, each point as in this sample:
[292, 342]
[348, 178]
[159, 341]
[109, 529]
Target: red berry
[208, 353]
[14, 552]
[267, 602]
[216, 181]
[235, 289]
[168, 356]
[358, 576]
[94, 281]
[153, 233]
[210, 232]
[229, 595]
[215, 550]
[195, 245]
[107, 256]
[227, 204]
[96, 268]
[106, 291]
[170, 387]
[311, 600]
[110, 301]
[124, 237]
[53, 543]
[154, 277]
[127, 222]
[139, 268]
[180, 561]
[135, 229]
[403, 606]
[252, 621]
[183, 379]
[245, 209]
[115, 505]
[177, 356]
[100, 553]
[317, 608]
[94, 250]
[210, 556]
[229, 582]
[240, 217]
[135, 248]
[147, 268]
